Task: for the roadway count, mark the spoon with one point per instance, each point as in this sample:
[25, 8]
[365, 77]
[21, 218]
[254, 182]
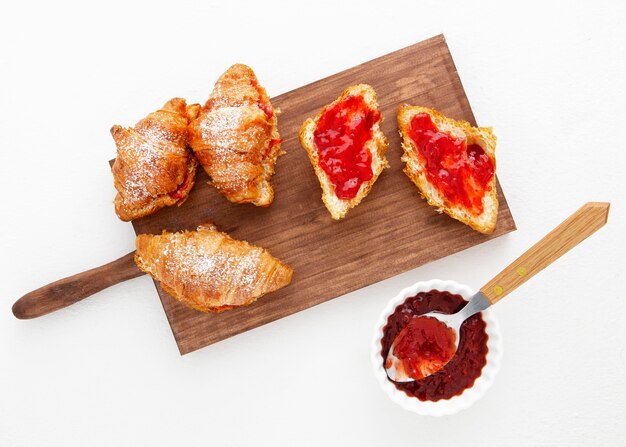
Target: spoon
[436, 335]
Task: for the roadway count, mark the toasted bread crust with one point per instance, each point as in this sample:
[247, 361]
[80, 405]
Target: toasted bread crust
[486, 221]
[377, 145]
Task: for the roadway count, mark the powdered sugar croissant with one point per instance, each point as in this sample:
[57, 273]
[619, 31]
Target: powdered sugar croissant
[154, 168]
[235, 138]
[208, 270]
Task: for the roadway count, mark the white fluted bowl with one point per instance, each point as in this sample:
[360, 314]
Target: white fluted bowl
[470, 395]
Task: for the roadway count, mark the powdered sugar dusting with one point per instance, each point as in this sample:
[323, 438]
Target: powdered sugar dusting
[208, 270]
[222, 127]
[233, 135]
[152, 156]
[140, 179]
[219, 267]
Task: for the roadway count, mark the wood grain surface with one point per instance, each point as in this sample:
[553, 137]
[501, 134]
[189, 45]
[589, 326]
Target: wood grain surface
[70, 290]
[393, 230]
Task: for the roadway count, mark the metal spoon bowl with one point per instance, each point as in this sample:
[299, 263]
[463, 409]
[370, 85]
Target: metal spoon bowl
[477, 303]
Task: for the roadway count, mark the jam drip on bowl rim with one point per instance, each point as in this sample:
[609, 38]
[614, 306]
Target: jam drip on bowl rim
[340, 136]
[467, 363]
[461, 173]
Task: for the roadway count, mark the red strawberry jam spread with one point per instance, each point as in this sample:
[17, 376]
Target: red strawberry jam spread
[273, 142]
[267, 109]
[423, 347]
[178, 194]
[461, 173]
[264, 105]
[466, 364]
[180, 191]
[340, 136]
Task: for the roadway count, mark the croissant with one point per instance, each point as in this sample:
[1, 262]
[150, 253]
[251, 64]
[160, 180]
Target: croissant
[235, 138]
[154, 168]
[453, 165]
[208, 270]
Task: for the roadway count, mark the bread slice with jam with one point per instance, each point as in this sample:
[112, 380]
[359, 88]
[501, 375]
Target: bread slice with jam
[346, 148]
[452, 164]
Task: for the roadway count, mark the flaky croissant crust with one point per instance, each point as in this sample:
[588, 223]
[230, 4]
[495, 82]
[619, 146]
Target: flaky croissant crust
[154, 167]
[208, 270]
[235, 138]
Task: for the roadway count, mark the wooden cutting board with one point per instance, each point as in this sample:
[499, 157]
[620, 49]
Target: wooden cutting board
[393, 230]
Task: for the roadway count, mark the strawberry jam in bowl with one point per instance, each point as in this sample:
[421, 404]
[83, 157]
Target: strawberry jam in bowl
[466, 374]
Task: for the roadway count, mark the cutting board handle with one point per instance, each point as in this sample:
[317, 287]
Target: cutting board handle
[72, 289]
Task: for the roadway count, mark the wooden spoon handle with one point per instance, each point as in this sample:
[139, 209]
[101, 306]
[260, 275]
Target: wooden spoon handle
[579, 226]
[72, 289]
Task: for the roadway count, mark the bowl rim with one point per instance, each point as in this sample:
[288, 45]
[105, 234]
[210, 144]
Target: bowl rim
[469, 395]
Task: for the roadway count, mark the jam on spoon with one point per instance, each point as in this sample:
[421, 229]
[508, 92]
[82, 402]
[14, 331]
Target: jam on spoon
[424, 346]
[572, 231]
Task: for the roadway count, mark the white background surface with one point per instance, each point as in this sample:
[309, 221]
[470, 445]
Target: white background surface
[550, 77]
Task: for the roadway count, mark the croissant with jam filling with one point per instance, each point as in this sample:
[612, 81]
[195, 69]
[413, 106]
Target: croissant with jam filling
[154, 168]
[346, 147]
[235, 138]
[453, 164]
[208, 270]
